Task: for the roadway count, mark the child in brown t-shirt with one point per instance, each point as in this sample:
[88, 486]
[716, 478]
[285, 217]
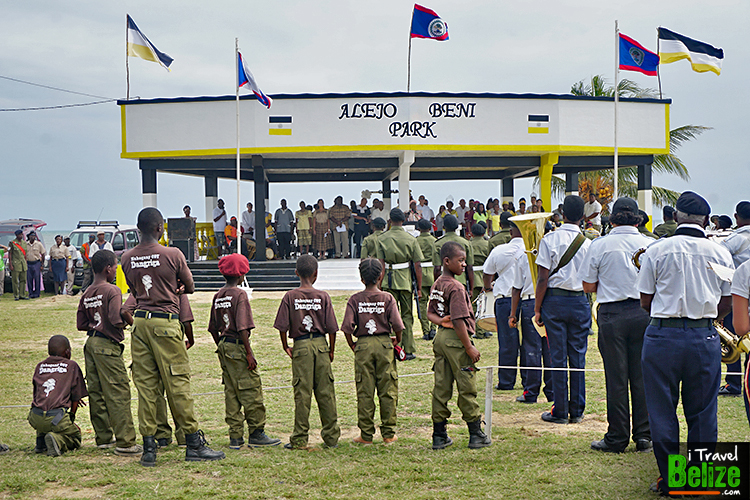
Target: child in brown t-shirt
[306, 316]
[230, 324]
[455, 354]
[370, 316]
[58, 392]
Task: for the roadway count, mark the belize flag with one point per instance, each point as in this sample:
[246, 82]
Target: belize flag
[425, 23]
[246, 79]
[634, 57]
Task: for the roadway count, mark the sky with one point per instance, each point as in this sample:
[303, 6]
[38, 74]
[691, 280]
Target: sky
[64, 165]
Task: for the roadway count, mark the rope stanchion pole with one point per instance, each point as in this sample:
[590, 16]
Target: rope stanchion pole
[488, 403]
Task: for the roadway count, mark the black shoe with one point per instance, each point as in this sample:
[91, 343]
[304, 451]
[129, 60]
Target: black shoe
[604, 447]
[724, 390]
[575, 420]
[53, 449]
[503, 388]
[432, 334]
[148, 458]
[41, 445]
[197, 449]
[440, 439]
[409, 356]
[236, 444]
[523, 398]
[163, 442]
[477, 438]
[487, 335]
[259, 438]
[548, 417]
[478, 336]
[644, 445]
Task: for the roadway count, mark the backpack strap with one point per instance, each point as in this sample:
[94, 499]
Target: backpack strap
[569, 253]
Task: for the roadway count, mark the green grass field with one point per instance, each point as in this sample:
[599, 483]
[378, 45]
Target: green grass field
[528, 458]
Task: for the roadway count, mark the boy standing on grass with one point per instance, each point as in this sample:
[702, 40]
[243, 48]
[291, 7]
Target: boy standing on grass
[455, 354]
[58, 390]
[306, 315]
[230, 324]
[370, 316]
[101, 316]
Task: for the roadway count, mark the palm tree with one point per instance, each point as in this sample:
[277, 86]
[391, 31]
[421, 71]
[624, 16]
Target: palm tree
[601, 180]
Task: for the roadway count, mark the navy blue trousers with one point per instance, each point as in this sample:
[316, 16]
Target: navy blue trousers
[508, 345]
[568, 321]
[687, 361]
[34, 279]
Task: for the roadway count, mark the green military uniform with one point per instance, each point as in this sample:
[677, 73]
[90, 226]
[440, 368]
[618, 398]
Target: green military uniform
[451, 236]
[159, 345]
[500, 238]
[666, 229]
[427, 245]
[450, 357]
[397, 248]
[65, 432]
[243, 389]
[481, 249]
[375, 367]
[369, 244]
[311, 356]
[20, 266]
[109, 392]
[163, 429]
[644, 231]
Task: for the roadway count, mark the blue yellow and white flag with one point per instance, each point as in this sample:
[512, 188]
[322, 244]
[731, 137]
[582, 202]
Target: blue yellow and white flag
[246, 79]
[140, 46]
[702, 56]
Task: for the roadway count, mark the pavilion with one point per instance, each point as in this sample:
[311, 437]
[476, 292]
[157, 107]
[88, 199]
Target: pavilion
[386, 137]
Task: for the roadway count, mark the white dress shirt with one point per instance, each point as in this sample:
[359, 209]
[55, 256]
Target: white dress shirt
[675, 270]
[221, 223]
[522, 278]
[461, 213]
[248, 222]
[738, 244]
[609, 262]
[502, 260]
[741, 281]
[551, 250]
[427, 212]
[590, 208]
[376, 212]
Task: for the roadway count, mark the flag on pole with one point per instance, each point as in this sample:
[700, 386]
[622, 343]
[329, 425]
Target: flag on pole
[425, 23]
[246, 79]
[702, 56]
[635, 57]
[140, 46]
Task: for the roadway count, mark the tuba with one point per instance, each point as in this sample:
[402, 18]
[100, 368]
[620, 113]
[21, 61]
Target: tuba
[532, 232]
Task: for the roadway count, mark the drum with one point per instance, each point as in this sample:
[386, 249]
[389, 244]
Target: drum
[486, 312]
[269, 254]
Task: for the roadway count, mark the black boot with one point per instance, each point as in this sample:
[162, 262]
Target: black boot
[41, 445]
[477, 438]
[440, 439]
[197, 449]
[259, 438]
[148, 459]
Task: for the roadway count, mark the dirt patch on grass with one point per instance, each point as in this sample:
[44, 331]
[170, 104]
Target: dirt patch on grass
[532, 424]
[60, 491]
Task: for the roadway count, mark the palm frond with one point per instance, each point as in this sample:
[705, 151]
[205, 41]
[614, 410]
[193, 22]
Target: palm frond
[683, 134]
[670, 164]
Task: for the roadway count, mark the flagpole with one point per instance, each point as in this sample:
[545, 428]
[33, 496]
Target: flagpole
[408, 63]
[617, 100]
[658, 66]
[127, 65]
[237, 91]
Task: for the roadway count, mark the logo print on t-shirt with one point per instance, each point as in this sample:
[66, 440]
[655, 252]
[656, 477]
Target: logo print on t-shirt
[49, 386]
[371, 326]
[146, 283]
[98, 319]
[226, 321]
[307, 321]
[441, 309]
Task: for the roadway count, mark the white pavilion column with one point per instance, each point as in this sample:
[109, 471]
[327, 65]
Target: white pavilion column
[405, 160]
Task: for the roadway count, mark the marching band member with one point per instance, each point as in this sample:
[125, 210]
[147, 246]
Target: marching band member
[681, 349]
[608, 271]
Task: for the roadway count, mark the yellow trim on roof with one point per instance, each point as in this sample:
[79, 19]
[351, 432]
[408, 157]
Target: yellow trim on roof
[279, 131]
[538, 130]
[403, 147]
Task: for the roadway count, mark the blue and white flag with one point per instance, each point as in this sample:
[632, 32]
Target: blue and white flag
[425, 23]
[246, 79]
[140, 46]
